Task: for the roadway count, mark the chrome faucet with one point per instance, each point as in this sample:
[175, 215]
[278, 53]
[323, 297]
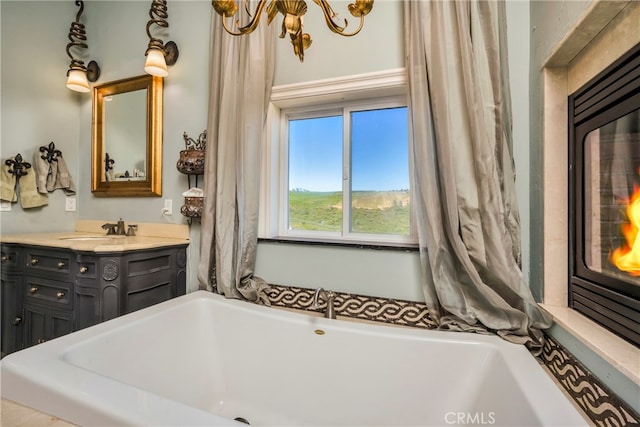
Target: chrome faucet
[118, 229]
[329, 297]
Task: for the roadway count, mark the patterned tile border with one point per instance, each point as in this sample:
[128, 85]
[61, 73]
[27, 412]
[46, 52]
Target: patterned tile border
[597, 402]
[397, 312]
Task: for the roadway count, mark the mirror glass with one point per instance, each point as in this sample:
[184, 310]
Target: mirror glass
[127, 138]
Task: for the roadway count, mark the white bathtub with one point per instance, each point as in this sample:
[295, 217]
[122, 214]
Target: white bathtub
[203, 360]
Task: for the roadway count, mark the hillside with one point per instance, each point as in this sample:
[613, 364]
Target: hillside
[380, 212]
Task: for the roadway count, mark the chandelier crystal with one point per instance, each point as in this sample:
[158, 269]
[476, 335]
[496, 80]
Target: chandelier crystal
[293, 16]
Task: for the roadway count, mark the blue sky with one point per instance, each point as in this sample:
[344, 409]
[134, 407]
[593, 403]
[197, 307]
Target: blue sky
[379, 152]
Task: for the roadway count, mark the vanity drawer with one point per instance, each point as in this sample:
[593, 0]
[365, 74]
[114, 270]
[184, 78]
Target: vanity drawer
[10, 256]
[87, 267]
[49, 264]
[49, 292]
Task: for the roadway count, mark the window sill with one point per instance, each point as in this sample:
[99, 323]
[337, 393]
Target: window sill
[405, 247]
[621, 354]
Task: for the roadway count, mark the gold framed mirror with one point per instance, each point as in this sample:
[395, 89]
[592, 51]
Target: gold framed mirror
[126, 138]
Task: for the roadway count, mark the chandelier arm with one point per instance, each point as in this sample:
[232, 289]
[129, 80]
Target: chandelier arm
[328, 13]
[328, 16]
[251, 26]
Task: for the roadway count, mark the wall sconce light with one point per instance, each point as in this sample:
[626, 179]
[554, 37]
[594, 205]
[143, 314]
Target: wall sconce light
[159, 55]
[79, 75]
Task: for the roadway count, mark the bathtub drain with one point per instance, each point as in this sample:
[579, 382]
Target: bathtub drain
[241, 420]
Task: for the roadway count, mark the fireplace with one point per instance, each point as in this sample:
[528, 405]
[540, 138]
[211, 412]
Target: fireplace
[604, 191]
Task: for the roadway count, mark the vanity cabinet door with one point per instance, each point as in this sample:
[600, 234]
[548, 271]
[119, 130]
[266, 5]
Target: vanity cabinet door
[11, 312]
[153, 277]
[87, 307]
[11, 315]
[43, 323]
[86, 294]
[48, 308]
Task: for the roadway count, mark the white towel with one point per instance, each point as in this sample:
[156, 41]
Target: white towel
[60, 177]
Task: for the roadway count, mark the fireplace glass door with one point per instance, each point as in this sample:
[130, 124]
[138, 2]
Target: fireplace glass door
[605, 198]
[612, 199]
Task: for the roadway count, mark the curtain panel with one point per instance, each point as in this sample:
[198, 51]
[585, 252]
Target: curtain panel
[241, 77]
[462, 170]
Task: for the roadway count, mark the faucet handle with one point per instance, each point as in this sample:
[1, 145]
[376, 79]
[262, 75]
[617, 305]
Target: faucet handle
[111, 228]
[131, 229]
[317, 295]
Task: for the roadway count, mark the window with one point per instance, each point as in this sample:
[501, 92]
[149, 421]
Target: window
[345, 172]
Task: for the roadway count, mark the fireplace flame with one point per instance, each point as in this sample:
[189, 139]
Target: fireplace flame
[627, 257]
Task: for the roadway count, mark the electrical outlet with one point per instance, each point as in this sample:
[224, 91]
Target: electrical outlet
[5, 206]
[70, 204]
[168, 207]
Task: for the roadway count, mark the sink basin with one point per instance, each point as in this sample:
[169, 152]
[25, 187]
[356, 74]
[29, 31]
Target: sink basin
[89, 238]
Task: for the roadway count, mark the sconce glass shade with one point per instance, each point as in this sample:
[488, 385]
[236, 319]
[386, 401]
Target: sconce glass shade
[77, 80]
[156, 65]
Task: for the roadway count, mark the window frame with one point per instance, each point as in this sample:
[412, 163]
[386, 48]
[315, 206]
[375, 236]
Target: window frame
[315, 94]
[343, 109]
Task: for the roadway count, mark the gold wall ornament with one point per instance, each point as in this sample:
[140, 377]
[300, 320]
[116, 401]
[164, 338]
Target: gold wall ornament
[292, 22]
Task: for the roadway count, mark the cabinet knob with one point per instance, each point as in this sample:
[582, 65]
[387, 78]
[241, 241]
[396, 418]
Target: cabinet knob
[33, 290]
[41, 340]
[60, 295]
[34, 261]
[5, 258]
[61, 264]
[17, 320]
[83, 269]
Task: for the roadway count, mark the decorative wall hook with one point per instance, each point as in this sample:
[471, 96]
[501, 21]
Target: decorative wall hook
[49, 153]
[18, 167]
[78, 73]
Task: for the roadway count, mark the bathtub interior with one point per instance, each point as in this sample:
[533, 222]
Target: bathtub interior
[274, 368]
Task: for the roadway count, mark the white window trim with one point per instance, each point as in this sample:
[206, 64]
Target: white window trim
[317, 95]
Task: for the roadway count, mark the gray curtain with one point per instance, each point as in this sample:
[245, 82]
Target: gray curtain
[462, 170]
[240, 88]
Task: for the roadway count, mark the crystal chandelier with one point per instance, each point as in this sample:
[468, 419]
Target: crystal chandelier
[293, 12]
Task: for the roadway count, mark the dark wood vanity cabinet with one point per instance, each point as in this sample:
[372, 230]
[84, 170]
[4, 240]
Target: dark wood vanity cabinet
[49, 292]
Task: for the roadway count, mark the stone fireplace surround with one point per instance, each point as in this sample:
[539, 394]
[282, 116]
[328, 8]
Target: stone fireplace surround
[605, 31]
